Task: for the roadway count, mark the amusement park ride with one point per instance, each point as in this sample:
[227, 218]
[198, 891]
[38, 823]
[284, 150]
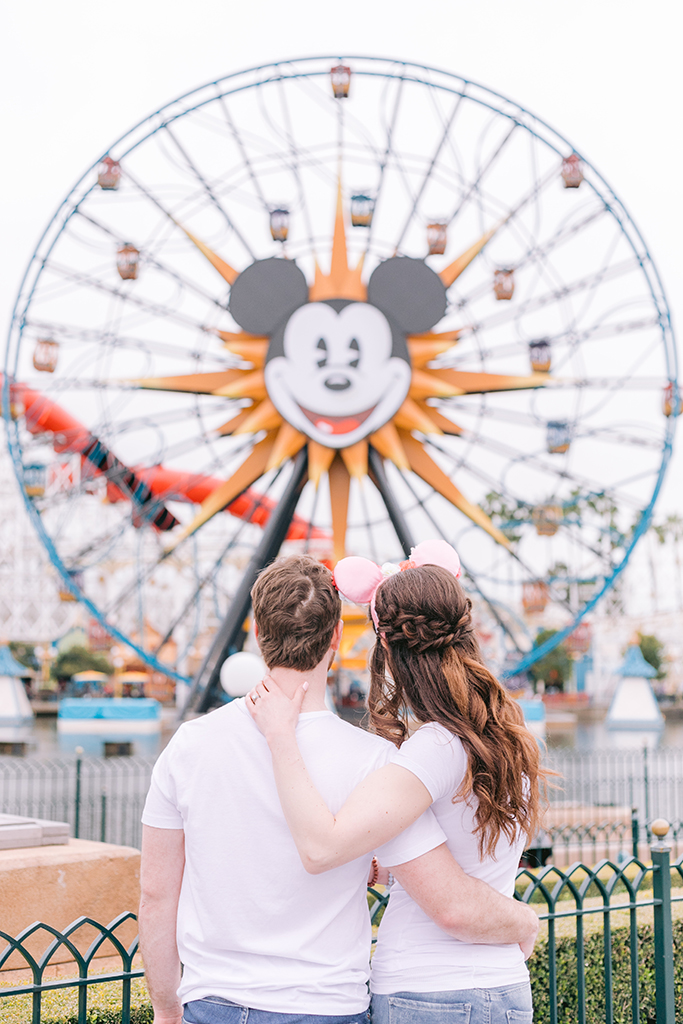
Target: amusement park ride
[340, 305]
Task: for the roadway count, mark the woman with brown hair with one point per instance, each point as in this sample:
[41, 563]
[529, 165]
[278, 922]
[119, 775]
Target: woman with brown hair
[471, 759]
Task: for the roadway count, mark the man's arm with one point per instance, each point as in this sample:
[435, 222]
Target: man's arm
[161, 875]
[465, 907]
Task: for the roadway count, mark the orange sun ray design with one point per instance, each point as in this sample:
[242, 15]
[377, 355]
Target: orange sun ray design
[340, 487]
[319, 461]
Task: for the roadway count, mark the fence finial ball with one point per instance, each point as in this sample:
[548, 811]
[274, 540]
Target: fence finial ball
[660, 827]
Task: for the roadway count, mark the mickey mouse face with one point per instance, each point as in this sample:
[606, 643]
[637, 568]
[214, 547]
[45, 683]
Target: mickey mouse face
[337, 370]
[337, 380]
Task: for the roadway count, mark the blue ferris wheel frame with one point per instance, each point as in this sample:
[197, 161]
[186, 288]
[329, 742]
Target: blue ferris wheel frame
[277, 71]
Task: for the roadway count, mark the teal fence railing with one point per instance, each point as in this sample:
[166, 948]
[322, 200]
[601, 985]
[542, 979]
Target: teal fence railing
[609, 933]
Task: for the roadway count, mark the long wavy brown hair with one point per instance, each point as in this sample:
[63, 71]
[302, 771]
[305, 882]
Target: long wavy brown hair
[433, 666]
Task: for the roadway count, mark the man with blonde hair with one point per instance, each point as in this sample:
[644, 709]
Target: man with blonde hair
[223, 889]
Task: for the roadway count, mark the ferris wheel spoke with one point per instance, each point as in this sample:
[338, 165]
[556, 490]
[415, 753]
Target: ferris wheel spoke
[149, 307]
[541, 466]
[239, 142]
[470, 576]
[208, 578]
[562, 526]
[151, 259]
[170, 417]
[70, 332]
[452, 272]
[475, 185]
[257, 507]
[227, 272]
[532, 255]
[296, 168]
[581, 284]
[209, 191]
[425, 467]
[590, 293]
[430, 168]
[385, 158]
[258, 502]
[252, 469]
[573, 337]
[527, 419]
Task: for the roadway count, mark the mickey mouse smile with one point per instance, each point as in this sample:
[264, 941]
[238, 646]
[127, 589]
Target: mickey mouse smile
[337, 424]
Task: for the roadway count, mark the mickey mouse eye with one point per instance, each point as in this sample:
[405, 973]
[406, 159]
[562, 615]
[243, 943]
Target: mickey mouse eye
[354, 346]
[323, 348]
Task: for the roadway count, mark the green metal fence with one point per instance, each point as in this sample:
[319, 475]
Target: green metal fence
[632, 980]
[17, 955]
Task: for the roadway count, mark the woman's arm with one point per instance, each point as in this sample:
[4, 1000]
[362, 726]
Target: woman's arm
[464, 907]
[383, 805]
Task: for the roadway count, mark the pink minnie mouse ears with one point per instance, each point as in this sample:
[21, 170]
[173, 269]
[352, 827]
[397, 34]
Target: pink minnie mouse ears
[357, 579]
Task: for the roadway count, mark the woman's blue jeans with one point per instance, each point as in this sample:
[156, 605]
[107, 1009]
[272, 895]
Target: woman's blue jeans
[510, 1004]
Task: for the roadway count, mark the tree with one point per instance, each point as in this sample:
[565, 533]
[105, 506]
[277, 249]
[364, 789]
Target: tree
[652, 650]
[507, 516]
[25, 654]
[672, 530]
[556, 668]
[78, 659]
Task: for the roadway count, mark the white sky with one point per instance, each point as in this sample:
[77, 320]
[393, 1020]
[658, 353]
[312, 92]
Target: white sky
[77, 74]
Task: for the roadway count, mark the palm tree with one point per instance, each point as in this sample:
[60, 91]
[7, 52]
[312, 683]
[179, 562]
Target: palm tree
[672, 530]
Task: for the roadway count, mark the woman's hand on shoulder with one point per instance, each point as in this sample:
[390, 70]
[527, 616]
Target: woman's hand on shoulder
[273, 711]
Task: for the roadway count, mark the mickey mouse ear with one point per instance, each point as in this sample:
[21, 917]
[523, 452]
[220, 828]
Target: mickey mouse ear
[409, 292]
[357, 578]
[437, 552]
[266, 293]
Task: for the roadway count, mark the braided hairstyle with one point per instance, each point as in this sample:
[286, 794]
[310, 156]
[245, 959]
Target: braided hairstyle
[432, 665]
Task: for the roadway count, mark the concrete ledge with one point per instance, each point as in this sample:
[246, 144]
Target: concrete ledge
[58, 884]
[17, 832]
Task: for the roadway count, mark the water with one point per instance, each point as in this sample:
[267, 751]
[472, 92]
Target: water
[588, 737]
[44, 740]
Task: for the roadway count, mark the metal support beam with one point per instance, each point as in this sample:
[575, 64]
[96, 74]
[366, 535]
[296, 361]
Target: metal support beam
[228, 638]
[379, 479]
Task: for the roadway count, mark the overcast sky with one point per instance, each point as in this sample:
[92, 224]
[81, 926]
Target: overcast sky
[605, 73]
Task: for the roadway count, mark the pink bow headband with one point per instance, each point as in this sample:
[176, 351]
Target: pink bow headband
[357, 579]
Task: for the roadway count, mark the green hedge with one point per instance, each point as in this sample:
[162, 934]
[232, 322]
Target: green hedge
[139, 1015]
[567, 988]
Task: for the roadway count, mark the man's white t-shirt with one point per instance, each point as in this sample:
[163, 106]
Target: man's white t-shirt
[253, 926]
[413, 954]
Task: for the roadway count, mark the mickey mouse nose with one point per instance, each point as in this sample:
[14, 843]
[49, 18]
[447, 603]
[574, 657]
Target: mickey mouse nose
[337, 382]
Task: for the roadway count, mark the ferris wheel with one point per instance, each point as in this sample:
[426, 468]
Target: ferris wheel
[342, 304]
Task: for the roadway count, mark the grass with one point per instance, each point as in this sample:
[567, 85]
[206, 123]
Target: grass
[60, 1006]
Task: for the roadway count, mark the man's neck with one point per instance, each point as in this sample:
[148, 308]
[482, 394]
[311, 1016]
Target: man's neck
[289, 680]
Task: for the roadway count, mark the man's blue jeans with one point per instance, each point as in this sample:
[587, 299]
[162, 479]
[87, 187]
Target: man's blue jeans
[214, 1010]
[507, 1005]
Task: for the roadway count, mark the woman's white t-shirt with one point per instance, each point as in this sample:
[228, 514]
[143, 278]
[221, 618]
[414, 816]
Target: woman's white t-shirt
[413, 954]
